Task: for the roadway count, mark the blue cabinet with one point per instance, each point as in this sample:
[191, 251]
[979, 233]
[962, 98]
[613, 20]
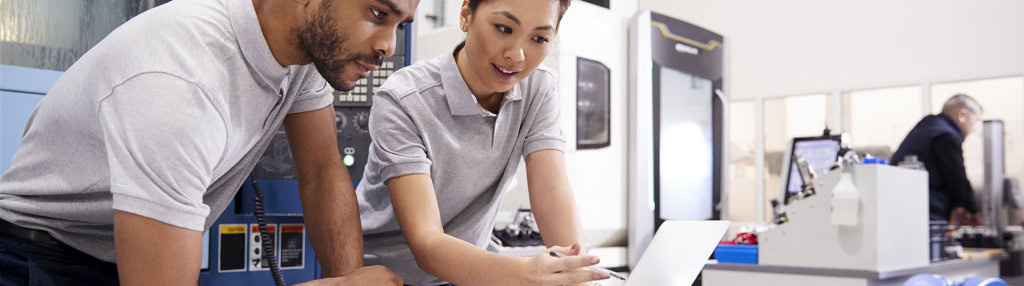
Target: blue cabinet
[21, 89]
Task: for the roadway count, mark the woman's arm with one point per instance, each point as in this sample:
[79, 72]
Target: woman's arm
[551, 199]
[462, 263]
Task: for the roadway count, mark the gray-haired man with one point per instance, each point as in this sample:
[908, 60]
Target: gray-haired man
[936, 141]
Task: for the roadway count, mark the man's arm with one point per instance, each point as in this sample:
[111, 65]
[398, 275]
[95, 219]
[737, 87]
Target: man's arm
[551, 199]
[150, 252]
[462, 263]
[325, 188]
[949, 160]
[163, 137]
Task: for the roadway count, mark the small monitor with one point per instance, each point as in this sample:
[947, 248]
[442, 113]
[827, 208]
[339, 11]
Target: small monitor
[819, 152]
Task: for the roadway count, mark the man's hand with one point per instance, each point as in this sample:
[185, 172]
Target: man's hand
[960, 216]
[369, 275]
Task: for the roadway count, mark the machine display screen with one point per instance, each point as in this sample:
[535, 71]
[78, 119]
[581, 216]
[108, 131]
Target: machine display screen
[684, 127]
[820, 154]
[593, 118]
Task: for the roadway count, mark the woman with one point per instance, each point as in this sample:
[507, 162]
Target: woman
[448, 135]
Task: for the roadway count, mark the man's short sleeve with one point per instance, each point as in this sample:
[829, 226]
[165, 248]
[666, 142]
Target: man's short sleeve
[163, 136]
[544, 132]
[396, 139]
[314, 94]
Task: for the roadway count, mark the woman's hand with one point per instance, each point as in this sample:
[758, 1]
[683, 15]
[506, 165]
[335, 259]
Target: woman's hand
[544, 269]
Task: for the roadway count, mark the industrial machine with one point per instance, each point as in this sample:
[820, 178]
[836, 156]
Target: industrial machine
[849, 221]
[870, 217]
[676, 125]
[520, 237]
[998, 196]
[838, 212]
[1000, 193]
[233, 248]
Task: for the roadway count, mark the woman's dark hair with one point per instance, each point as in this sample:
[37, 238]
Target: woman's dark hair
[562, 6]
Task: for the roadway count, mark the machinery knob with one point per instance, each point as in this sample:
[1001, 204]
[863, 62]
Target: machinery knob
[363, 121]
[340, 119]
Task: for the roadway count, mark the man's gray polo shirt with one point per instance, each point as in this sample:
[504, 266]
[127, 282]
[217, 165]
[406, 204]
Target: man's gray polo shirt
[163, 118]
[425, 120]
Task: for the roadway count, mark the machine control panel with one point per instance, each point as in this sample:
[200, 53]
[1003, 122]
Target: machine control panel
[234, 251]
[352, 116]
[352, 111]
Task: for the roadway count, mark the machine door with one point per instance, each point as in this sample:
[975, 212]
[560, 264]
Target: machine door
[683, 145]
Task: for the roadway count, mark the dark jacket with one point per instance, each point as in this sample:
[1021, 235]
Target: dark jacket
[936, 141]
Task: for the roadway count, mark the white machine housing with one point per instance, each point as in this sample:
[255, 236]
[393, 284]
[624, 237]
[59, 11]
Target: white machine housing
[641, 177]
[891, 234]
[658, 45]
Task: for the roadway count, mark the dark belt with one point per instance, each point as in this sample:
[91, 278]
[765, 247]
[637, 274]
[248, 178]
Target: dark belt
[37, 237]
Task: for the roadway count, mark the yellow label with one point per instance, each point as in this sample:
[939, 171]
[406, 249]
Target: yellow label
[232, 229]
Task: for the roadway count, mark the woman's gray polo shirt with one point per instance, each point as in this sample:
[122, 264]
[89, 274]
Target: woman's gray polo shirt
[425, 120]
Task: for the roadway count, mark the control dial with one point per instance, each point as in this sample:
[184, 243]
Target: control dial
[362, 120]
[341, 119]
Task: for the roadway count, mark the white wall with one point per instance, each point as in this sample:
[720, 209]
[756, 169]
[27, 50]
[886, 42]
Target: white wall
[446, 11]
[438, 41]
[792, 47]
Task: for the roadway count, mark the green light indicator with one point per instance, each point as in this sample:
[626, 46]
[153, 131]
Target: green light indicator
[349, 160]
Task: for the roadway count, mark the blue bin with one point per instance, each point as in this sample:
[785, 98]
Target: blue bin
[727, 253]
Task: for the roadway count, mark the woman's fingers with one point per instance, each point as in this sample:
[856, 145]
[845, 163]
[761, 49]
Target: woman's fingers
[571, 262]
[567, 251]
[574, 277]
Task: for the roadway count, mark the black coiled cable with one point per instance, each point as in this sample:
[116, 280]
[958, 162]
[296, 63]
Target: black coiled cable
[268, 247]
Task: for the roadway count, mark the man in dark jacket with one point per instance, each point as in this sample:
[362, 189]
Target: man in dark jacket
[936, 141]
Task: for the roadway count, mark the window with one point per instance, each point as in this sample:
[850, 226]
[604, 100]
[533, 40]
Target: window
[785, 118]
[742, 161]
[877, 120]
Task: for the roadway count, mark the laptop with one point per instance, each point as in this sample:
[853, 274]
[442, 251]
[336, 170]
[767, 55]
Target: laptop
[677, 253]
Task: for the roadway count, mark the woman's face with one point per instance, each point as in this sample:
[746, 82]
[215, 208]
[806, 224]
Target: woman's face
[507, 39]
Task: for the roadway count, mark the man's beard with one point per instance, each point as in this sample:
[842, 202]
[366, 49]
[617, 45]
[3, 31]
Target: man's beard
[324, 45]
